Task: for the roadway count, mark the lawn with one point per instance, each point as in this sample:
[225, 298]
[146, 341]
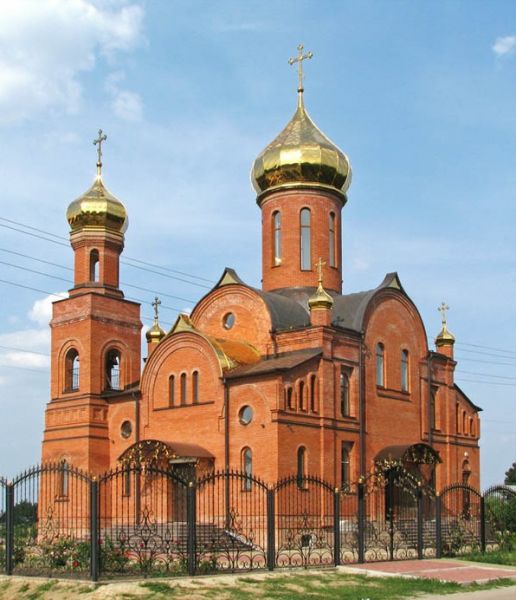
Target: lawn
[328, 585]
[497, 557]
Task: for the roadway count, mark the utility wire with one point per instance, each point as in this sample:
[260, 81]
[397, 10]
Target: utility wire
[487, 382]
[476, 373]
[23, 350]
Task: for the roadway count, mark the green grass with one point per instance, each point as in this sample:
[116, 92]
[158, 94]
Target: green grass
[157, 587]
[498, 557]
[42, 589]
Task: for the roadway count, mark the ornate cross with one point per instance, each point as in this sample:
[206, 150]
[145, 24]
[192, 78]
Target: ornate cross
[299, 60]
[442, 309]
[319, 265]
[98, 142]
[156, 304]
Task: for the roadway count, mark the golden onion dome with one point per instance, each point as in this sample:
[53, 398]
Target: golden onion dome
[444, 338]
[320, 300]
[155, 334]
[301, 156]
[97, 208]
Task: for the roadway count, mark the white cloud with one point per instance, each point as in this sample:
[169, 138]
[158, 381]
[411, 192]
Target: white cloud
[37, 340]
[46, 44]
[504, 45]
[41, 311]
[125, 104]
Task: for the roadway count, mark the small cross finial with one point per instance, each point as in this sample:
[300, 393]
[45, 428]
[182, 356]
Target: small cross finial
[98, 142]
[299, 60]
[442, 309]
[319, 265]
[155, 305]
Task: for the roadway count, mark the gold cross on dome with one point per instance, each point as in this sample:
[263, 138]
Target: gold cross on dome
[442, 309]
[319, 265]
[299, 60]
[98, 142]
[155, 305]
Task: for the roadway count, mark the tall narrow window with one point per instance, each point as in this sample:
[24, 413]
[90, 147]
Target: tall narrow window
[344, 393]
[457, 424]
[380, 365]
[344, 465]
[306, 250]
[247, 467]
[331, 239]
[183, 389]
[63, 479]
[301, 466]
[94, 265]
[404, 371]
[313, 393]
[171, 390]
[276, 233]
[127, 482]
[113, 370]
[290, 398]
[301, 403]
[72, 370]
[432, 409]
[195, 387]
[464, 427]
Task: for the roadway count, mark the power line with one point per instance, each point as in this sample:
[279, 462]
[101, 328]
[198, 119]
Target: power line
[487, 382]
[43, 370]
[488, 354]
[485, 374]
[486, 347]
[486, 362]
[23, 350]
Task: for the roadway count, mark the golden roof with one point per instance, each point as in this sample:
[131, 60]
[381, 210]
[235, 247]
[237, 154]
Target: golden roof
[444, 338]
[97, 208]
[320, 299]
[155, 334]
[300, 156]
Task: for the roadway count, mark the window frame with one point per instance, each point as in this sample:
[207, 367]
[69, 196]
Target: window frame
[332, 246]
[345, 465]
[246, 457]
[405, 370]
[276, 238]
[305, 240]
[113, 382]
[344, 404]
[380, 365]
[301, 464]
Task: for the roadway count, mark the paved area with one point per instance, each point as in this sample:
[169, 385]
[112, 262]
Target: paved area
[443, 569]
[496, 594]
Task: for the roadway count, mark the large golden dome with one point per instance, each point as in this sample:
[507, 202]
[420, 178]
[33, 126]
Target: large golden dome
[97, 208]
[301, 156]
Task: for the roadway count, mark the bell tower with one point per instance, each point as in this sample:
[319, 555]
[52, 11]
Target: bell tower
[95, 334]
[301, 180]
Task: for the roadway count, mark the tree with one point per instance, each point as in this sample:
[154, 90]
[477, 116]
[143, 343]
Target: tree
[510, 475]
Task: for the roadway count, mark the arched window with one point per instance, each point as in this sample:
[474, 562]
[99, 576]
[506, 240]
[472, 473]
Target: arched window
[290, 398]
[380, 365]
[344, 465]
[113, 370]
[247, 467]
[127, 482]
[471, 427]
[276, 236]
[464, 426]
[404, 371]
[63, 479]
[171, 390]
[301, 466]
[331, 240]
[301, 403]
[183, 389]
[432, 409]
[313, 393]
[344, 393]
[72, 370]
[306, 250]
[94, 265]
[457, 422]
[195, 387]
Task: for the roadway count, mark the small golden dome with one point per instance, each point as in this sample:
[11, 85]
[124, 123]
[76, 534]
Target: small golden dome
[155, 334]
[300, 156]
[445, 338]
[97, 208]
[321, 300]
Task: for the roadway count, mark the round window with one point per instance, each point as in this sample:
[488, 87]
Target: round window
[126, 429]
[228, 321]
[245, 415]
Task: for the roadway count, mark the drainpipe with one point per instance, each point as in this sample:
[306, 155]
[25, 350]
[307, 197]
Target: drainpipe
[361, 406]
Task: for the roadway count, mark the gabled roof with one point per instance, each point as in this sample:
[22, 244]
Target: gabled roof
[461, 392]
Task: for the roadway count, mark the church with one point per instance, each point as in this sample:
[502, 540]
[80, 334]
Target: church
[296, 377]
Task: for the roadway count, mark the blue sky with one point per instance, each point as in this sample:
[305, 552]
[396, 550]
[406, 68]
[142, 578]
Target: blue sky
[420, 95]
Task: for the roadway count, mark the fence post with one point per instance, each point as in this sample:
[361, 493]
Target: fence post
[419, 522]
[361, 521]
[438, 532]
[482, 524]
[94, 530]
[191, 515]
[9, 528]
[271, 531]
[336, 526]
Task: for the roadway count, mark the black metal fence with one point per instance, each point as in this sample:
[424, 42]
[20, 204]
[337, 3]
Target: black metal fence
[146, 521]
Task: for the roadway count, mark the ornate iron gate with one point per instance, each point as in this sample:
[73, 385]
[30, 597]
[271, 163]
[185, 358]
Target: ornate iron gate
[348, 525]
[142, 521]
[51, 521]
[304, 522]
[461, 508]
[500, 516]
[231, 525]
[392, 520]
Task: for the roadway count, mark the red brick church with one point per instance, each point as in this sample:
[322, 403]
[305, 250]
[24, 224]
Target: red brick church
[293, 377]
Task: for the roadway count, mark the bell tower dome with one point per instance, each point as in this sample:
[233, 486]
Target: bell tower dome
[301, 179]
